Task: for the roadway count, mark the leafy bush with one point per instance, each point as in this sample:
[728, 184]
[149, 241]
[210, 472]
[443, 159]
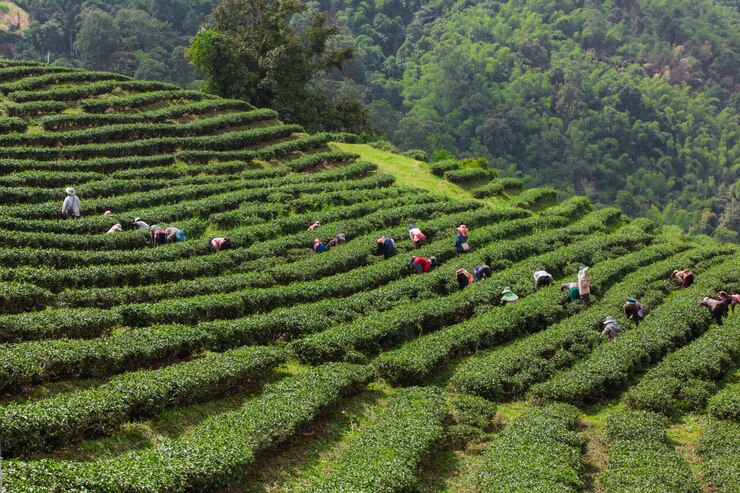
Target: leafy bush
[467, 175]
[497, 187]
[726, 403]
[387, 456]
[439, 168]
[640, 457]
[539, 451]
[418, 154]
[718, 447]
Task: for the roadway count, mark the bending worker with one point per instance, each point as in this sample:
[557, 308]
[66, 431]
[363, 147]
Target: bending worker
[417, 237]
[464, 278]
[385, 247]
[716, 307]
[541, 278]
[634, 310]
[508, 297]
[685, 277]
[611, 328]
[422, 264]
[584, 285]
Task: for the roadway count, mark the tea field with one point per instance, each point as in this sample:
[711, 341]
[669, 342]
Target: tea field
[270, 368]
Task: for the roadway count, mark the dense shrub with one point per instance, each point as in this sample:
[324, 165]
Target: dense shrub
[467, 175]
[439, 168]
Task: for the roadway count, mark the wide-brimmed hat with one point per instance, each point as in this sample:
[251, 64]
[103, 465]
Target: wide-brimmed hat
[675, 272]
[70, 190]
[632, 300]
[509, 295]
[137, 219]
[341, 236]
[582, 271]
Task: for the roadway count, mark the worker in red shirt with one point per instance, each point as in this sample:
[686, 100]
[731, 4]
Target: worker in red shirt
[422, 264]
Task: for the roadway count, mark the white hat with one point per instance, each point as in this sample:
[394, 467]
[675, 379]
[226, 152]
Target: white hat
[137, 219]
[70, 190]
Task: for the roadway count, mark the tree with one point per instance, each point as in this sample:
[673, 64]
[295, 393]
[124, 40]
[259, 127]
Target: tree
[251, 52]
[97, 40]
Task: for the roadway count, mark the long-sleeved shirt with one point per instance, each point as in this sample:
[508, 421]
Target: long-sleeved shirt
[71, 205]
[584, 285]
[459, 240]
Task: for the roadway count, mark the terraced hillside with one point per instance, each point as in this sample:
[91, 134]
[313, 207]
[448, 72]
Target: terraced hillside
[267, 367]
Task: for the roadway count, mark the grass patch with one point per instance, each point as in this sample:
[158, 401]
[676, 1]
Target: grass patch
[406, 170]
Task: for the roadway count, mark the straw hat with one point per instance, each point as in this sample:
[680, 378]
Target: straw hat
[70, 190]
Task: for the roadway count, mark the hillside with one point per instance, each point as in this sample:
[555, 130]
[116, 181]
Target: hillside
[268, 367]
[631, 102]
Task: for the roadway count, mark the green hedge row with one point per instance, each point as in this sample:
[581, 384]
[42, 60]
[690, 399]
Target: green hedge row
[138, 100]
[386, 457]
[509, 371]
[212, 453]
[16, 297]
[136, 131]
[74, 323]
[8, 125]
[163, 145]
[641, 459]
[497, 187]
[406, 321]
[671, 325]
[10, 73]
[535, 197]
[439, 168]
[49, 179]
[540, 451]
[72, 416]
[686, 379]
[467, 175]
[60, 122]
[102, 165]
[417, 359]
[33, 82]
[34, 108]
[86, 90]
[726, 403]
[718, 447]
[311, 161]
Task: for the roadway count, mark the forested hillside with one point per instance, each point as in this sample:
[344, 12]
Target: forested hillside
[142, 38]
[629, 101]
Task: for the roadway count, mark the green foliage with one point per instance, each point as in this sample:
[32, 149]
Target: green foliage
[439, 168]
[467, 175]
[539, 451]
[726, 403]
[718, 448]
[386, 456]
[640, 457]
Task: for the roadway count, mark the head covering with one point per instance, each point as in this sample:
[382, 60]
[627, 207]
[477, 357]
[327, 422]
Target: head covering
[381, 239]
[317, 223]
[674, 272]
[582, 272]
[609, 320]
[107, 213]
[70, 191]
[632, 300]
[136, 220]
[433, 260]
[508, 295]
[180, 235]
[411, 226]
[341, 236]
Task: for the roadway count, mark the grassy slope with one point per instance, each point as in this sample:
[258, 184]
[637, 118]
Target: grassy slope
[406, 170]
